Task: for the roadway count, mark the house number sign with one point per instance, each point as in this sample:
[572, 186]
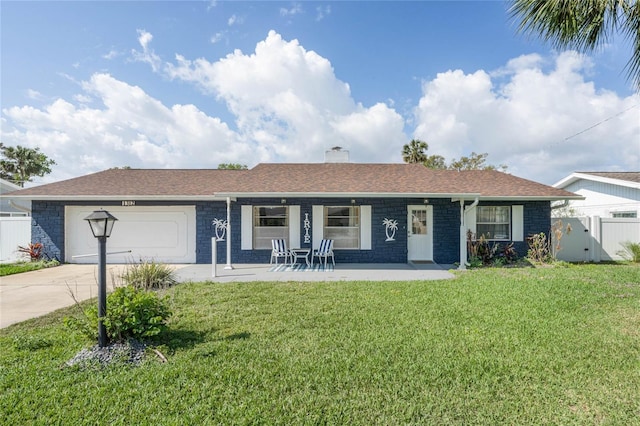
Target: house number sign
[128, 203]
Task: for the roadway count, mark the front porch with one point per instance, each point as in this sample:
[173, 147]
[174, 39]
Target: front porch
[341, 272]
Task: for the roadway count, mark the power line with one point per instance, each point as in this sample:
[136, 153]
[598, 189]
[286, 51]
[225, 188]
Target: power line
[603, 121]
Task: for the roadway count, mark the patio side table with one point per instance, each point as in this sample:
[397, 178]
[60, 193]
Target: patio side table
[299, 254]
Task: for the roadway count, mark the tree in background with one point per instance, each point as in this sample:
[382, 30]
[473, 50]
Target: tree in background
[232, 166]
[474, 162]
[436, 162]
[414, 151]
[19, 164]
[584, 25]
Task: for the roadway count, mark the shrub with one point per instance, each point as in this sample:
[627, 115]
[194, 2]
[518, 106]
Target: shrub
[34, 250]
[631, 251]
[149, 275]
[481, 252]
[131, 313]
[539, 248]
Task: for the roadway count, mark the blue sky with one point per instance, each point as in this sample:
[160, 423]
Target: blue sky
[194, 84]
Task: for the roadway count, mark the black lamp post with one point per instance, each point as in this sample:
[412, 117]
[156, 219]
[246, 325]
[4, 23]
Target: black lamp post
[101, 223]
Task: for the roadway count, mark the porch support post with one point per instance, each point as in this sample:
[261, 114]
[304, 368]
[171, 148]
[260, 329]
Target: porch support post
[228, 265]
[463, 239]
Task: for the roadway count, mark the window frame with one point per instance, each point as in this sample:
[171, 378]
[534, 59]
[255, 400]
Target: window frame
[261, 242]
[625, 214]
[508, 223]
[354, 216]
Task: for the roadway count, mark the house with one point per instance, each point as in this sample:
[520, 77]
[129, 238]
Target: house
[375, 213]
[606, 194]
[15, 224]
[6, 207]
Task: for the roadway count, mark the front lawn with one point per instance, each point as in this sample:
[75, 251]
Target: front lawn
[19, 267]
[493, 346]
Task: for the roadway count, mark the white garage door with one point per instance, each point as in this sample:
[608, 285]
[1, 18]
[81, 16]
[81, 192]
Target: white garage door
[161, 233]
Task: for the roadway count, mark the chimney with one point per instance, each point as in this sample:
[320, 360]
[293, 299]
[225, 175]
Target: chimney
[336, 155]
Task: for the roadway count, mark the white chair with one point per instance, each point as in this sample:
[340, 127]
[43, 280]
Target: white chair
[279, 249]
[325, 250]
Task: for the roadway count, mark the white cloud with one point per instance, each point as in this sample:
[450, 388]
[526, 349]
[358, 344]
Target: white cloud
[295, 9]
[235, 20]
[523, 122]
[217, 37]
[289, 100]
[289, 106]
[112, 54]
[322, 12]
[132, 129]
[34, 94]
[147, 55]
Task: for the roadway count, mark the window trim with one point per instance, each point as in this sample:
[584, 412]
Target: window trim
[509, 222]
[354, 214]
[255, 227]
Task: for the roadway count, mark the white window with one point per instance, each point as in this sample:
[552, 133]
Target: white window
[629, 214]
[493, 222]
[342, 225]
[270, 222]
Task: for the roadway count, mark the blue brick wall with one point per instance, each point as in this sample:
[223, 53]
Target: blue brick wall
[446, 230]
[205, 213]
[536, 219]
[48, 227]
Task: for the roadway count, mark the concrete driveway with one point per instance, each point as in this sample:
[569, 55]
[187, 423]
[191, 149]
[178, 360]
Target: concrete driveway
[36, 293]
[33, 294]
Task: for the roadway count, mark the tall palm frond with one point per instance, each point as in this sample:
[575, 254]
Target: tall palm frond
[584, 25]
[414, 151]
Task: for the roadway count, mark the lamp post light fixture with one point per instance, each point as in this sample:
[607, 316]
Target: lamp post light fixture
[101, 223]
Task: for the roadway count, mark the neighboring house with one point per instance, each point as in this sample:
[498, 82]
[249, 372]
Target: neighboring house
[606, 194]
[375, 213]
[11, 209]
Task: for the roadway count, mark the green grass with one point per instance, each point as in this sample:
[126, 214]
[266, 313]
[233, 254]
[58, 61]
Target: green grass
[493, 346]
[19, 267]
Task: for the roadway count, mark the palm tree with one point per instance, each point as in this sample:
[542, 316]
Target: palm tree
[414, 151]
[583, 25]
[19, 164]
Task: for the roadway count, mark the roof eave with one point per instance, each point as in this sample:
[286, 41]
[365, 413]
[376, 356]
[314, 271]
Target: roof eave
[119, 197]
[345, 195]
[574, 177]
[531, 198]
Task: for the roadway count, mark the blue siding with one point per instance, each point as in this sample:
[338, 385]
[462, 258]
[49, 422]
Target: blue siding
[48, 227]
[536, 219]
[446, 230]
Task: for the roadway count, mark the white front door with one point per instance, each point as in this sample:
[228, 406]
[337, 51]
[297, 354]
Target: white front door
[420, 233]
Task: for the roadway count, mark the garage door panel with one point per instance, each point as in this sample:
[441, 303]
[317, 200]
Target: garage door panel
[162, 233]
[148, 234]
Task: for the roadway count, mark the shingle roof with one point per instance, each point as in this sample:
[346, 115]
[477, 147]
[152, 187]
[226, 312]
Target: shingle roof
[141, 182]
[295, 179]
[628, 176]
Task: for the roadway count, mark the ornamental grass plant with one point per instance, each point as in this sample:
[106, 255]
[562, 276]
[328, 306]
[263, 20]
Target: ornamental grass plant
[149, 275]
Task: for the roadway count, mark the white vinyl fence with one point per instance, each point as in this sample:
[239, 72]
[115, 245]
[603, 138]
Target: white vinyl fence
[14, 231]
[595, 239]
